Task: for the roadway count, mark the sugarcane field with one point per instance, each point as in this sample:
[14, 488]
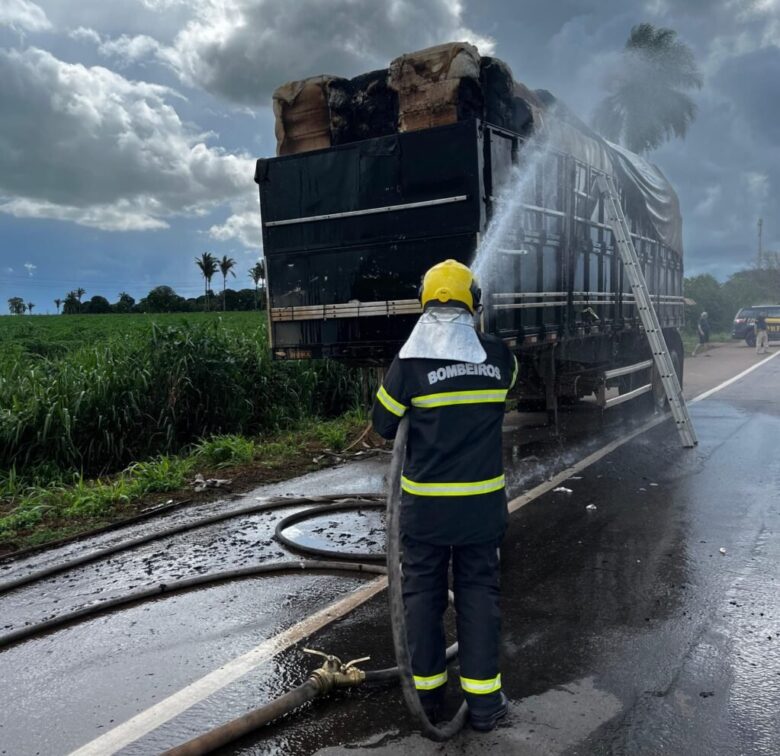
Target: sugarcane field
[389, 378]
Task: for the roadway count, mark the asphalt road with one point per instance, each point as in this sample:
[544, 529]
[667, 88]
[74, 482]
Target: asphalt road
[626, 630]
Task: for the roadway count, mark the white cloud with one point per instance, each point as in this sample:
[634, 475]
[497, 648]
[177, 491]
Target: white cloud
[712, 196]
[30, 268]
[83, 34]
[130, 49]
[757, 186]
[243, 49]
[87, 145]
[110, 18]
[22, 15]
[244, 226]
[747, 9]
[118, 216]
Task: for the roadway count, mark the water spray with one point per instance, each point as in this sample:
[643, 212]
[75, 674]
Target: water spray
[514, 193]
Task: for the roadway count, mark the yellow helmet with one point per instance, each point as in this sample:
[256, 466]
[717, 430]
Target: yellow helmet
[450, 281]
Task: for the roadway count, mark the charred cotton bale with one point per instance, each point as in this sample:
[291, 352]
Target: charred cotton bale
[498, 91]
[437, 86]
[362, 108]
[303, 115]
[527, 109]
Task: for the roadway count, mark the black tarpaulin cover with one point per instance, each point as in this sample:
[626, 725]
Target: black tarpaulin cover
[644, 184]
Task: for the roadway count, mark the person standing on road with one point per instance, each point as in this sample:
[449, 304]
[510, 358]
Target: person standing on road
[762, 335]
[703, 329]
[453, 382]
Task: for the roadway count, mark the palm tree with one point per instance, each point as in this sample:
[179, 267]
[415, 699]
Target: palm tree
[30, 306]
[208, 267]
[226, 265]
[647, 102]
[79, 294]
[58, 302]
[16, 306]
[71, 304]
[257, 274]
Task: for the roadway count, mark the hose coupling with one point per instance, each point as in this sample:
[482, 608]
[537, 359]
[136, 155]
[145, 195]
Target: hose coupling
[335, 673]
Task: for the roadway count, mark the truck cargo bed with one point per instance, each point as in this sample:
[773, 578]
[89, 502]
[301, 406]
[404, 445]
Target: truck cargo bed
[348, 232]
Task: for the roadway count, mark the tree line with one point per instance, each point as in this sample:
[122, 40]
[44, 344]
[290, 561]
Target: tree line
[721, 301]
[164, 298]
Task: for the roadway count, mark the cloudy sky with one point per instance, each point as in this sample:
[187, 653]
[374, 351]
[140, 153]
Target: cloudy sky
[128, 129]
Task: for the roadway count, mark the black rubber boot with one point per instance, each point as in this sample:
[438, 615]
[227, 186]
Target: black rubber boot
[487, 722]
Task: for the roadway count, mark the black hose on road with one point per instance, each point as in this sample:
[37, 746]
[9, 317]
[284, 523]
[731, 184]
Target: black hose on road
[180, 586]
[307, 514]
[131, 543]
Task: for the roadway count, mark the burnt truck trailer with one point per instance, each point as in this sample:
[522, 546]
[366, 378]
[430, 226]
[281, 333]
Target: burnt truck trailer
[349, 230]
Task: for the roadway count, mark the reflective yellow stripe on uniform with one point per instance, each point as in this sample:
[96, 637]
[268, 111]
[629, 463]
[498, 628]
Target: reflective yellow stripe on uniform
[429, 683]
[390, 404]
[481, 687]
[448, 398]
[452, 489]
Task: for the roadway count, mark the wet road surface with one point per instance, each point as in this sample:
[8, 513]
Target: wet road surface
[626, 629]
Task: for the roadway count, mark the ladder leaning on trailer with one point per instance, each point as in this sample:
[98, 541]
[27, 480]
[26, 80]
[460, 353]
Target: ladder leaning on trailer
[616, 220]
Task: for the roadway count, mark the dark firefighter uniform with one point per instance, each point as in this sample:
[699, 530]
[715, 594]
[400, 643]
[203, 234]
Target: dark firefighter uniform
[453, 506]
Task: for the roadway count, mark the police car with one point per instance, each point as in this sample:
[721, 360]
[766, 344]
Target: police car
[744, 323]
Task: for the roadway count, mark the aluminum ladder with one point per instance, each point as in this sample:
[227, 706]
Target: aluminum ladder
[616, 220]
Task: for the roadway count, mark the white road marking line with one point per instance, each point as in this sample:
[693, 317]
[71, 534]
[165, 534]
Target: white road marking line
[163, 711]
[148, 720]
[723, 385]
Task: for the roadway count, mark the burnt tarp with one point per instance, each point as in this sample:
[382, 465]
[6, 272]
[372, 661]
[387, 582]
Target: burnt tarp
[648, 189]
[527, 109]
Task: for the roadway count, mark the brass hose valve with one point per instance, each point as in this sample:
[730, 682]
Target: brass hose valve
[334, 673]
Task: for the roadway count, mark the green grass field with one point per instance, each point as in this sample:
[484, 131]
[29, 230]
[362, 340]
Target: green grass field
[84, 398]
[94, 393]
[53, 336]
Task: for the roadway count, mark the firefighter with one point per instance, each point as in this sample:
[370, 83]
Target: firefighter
[453, 382]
